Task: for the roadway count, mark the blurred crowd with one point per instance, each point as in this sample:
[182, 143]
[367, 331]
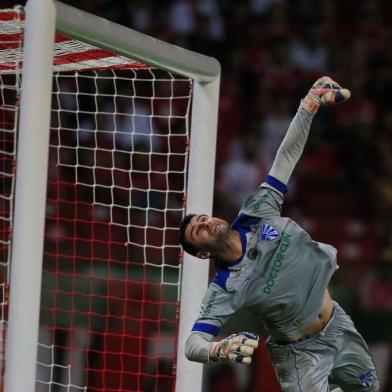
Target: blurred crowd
[271, 51]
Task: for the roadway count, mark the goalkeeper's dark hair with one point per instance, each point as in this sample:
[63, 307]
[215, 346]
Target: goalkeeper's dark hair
[186, 245]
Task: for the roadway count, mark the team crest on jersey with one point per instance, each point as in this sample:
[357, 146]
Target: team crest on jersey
[268, 233]
[366, 379]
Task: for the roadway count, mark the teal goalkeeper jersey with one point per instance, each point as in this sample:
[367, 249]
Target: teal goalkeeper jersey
[281, 276]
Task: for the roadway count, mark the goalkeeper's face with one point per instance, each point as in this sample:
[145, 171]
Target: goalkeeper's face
[208, 235]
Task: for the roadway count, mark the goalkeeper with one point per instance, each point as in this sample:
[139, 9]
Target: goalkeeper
[270, 265]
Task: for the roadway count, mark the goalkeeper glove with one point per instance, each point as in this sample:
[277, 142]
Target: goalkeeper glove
[238, 347]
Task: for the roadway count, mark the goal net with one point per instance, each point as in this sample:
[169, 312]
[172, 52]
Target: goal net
[117, 175]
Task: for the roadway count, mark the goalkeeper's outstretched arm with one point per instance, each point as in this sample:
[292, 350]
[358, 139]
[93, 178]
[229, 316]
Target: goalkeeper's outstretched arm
[292, 146]
[324, 92]
[235, 348]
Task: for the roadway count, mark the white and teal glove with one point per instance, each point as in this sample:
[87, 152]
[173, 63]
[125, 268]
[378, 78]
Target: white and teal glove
[238, 347]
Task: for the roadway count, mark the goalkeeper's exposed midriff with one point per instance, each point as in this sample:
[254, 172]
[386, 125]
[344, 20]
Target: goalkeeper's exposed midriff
[321, 321]
[270, 265]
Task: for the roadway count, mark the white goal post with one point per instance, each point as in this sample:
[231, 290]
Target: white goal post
[43, 19]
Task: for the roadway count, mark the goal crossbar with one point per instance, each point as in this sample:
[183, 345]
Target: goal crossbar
[130, 43]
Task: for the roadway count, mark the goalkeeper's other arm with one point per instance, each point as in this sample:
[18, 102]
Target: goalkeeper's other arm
[235, 348]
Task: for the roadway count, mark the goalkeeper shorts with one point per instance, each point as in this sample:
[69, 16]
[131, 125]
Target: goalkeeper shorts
[338, 355]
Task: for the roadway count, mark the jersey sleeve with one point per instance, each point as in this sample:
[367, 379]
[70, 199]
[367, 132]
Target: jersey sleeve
[216, 308]
[292, 146]
[267, 200]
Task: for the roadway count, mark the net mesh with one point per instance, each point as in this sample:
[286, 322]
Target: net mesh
[10, 32]
[116, 184]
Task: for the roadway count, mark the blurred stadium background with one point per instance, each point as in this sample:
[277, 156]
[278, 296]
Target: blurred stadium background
[271, 51]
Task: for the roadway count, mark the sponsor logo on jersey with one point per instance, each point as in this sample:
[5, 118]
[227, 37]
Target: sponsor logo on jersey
[206, 309]
[268, 233]
[256, 204]
[277, 263]
[366, 379]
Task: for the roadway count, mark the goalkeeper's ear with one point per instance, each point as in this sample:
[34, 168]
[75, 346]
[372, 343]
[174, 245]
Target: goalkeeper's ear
[203, 255]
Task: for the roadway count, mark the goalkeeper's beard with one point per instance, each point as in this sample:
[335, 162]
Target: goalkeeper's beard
[223, 242]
